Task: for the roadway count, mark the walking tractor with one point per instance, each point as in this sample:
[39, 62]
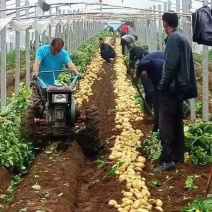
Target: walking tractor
[53, 114]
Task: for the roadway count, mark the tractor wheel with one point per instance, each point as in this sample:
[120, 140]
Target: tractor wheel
[28, 125]
[88, 137]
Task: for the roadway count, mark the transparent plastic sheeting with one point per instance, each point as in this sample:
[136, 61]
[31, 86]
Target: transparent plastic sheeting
[39, 25]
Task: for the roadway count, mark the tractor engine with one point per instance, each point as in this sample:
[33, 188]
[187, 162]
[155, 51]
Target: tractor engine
[60, 108]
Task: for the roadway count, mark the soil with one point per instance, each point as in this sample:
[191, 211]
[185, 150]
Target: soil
[70, 182]
[11, 83]
[4, 179]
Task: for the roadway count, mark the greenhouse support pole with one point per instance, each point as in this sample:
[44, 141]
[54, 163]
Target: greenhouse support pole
[155, 28]
[151, 33]
[64, 30]
[3, 59]
[17, 52]
[81, 32]
[43, 37]
[27, 66]
[59, 25]
[143, 31]
[37, 36]
[50, 28]
[146, 31]
[165, 9]
[177, 6]
[69, 34]
[160, 31]
[169, 5]
[187, 30]
[71, 37]
[76, 29]
[205, 97]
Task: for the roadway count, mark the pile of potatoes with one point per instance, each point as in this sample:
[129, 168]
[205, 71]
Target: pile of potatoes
[90, 76]
[136, 197]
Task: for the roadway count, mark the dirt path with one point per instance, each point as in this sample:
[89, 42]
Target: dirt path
[95, 190]
[56, 176]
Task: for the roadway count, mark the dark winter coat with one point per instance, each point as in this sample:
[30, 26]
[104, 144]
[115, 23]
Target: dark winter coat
[153, 64]
[178, 76]
[202, 26]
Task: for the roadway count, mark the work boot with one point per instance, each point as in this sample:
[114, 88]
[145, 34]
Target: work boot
[164, 166]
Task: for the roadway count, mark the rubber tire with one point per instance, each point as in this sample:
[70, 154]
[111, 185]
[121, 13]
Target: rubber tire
[89, 138]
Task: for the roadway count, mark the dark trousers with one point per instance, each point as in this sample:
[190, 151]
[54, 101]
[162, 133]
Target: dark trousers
[107, 55]
[171, 128]
[123, 44]
[149, 91]
[156, 110]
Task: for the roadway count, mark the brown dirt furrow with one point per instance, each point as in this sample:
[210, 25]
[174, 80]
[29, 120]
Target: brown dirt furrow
[95, 190]
[57, 175]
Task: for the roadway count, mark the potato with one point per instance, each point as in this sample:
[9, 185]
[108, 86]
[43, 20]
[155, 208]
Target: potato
[159, 208]
[136, 204]
[112, 202]
[117, 206]
[140, 165]
[127, 208]
[159, 203]
[122, 178]
[127, 194]
[141, 159]
[152, 201]
[111, 157]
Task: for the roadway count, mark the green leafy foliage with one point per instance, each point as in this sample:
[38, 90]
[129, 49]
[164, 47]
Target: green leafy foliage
[190, 182]
[199, 205]
[15, 152]
[139, 101]
[151, 146]
[8, 197]
[112, 172]
[198, 143]
[64, 78]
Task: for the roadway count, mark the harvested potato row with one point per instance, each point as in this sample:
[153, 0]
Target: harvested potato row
[136, 197]
[90, 76]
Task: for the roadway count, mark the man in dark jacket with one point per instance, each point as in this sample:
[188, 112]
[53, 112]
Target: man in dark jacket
[107, 51]
[136, 53]
[178, 83]
[150, 71]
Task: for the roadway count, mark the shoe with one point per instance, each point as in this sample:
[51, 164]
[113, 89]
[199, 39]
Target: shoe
[164, 166]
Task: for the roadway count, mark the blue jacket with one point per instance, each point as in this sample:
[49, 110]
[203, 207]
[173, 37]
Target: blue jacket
[153, 64]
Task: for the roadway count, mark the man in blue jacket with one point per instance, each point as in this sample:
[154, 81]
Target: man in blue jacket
[150, 71]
